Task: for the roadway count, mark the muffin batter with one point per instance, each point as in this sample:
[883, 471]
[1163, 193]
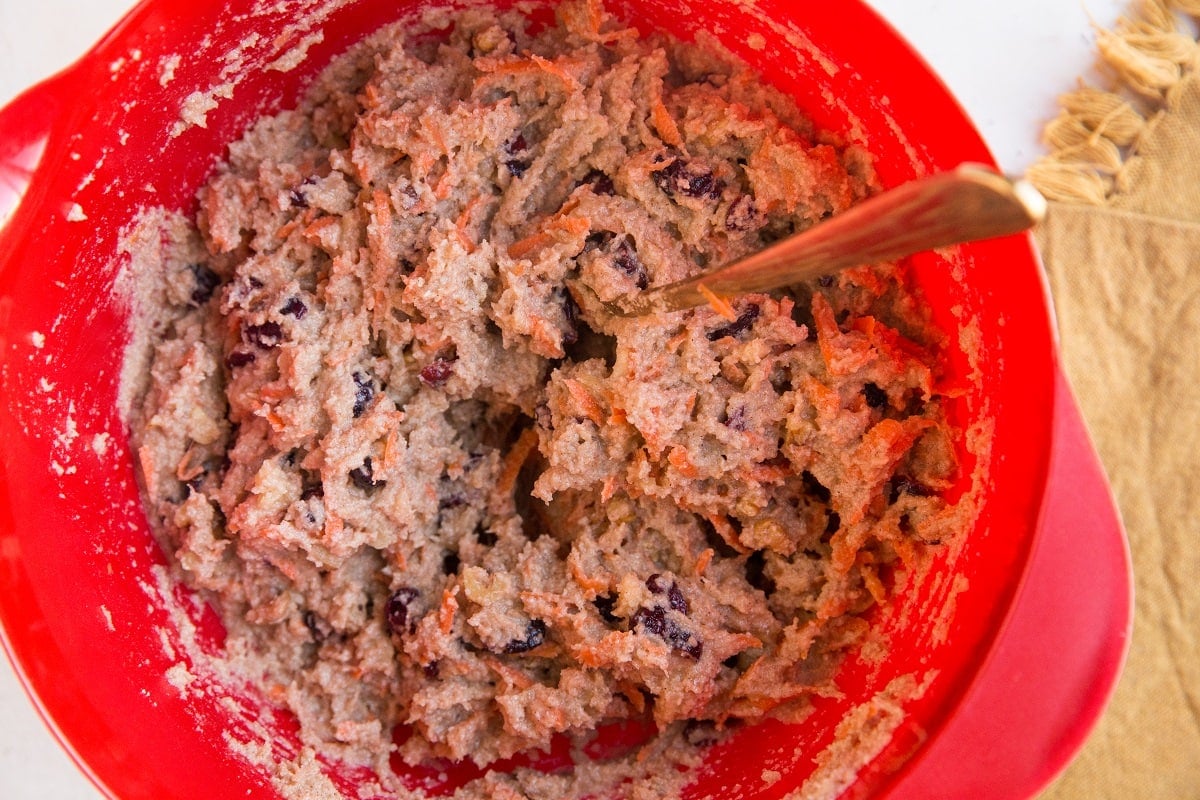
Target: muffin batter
[424, 488]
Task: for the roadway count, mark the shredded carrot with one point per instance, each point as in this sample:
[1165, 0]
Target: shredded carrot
[273, 392]
[888, 340]
[399, 561]
[718, 303]
[445, 185]
[514, 459]
[317, 232]
[523, 247]
[447, 609]
[285, 230]
[584, 400]
[513, 677]
[725, 530]
[588, 583]
[588, 656]
[287, 568]
[873, 583]
[769, 473]
[464, 219]
[703, 561]
[372, 96]
[381, 208]
[843, 353]
[333, 524]
[391, 449]
[595, 14]
[276, 422]
[678, 339]
[905, 550]
[679, 459]
[572, 226]
[526, 66]
[187, 467]
[831, 608]
[608, 488]
[889, 439]
[664, 123]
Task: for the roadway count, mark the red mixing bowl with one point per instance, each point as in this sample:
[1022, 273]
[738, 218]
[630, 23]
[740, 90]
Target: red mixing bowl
[1017, 636]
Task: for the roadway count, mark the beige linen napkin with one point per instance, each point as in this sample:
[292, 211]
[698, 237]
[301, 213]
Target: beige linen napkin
[1122, 248]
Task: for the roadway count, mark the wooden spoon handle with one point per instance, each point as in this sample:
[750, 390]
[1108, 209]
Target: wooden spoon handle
[969, 203]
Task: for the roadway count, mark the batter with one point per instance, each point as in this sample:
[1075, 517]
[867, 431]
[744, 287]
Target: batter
[423, 487]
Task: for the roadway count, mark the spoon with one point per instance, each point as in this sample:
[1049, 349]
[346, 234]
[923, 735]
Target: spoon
[966, 204]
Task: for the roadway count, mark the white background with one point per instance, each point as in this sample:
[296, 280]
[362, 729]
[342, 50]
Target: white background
[1005, 61]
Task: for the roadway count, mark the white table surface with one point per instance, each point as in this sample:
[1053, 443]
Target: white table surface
[1006, 62]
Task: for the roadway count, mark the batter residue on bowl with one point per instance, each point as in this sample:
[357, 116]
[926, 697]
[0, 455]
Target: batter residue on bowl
[422, 487]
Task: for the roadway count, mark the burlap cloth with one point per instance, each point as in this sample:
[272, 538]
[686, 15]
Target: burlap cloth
[1121, 246]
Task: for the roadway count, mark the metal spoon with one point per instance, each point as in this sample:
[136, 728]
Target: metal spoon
[969, 203]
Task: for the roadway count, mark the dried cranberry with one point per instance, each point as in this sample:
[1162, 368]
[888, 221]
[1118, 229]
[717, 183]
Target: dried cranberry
[535, 635]
[297, 196]
[742, 214]
[364, 477]
[626, 260]
[600, 182]
[875, 396]
[437, 372]
[512, 150]
[239, 358]
[688, 179]
[364, 393]
[397, 609]
[206, 282]
[294, 307]
[657, 584]
[571, 313]
[736, 419]
[655, 620]
[677, 600]
[739, 326]
[265, 336]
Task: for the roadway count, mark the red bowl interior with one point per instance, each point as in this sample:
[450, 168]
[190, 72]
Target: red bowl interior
[82, 611]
